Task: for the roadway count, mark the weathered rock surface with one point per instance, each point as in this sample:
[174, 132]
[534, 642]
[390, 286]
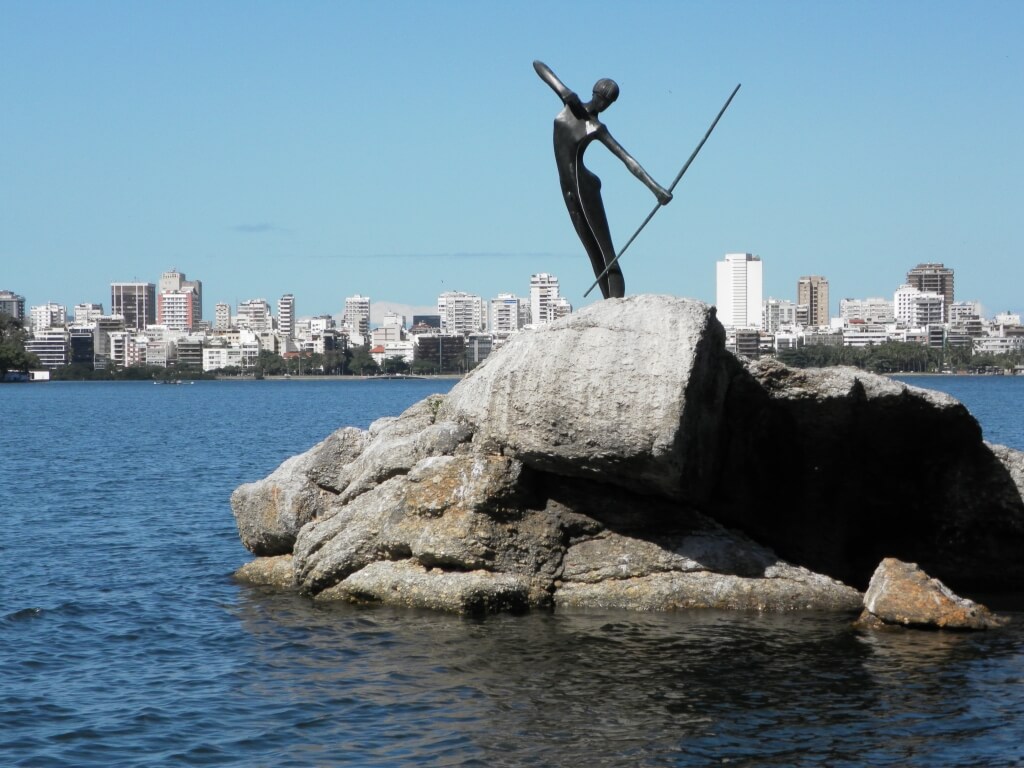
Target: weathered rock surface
[270, 512]
[904, 595]
[408, 583]
[620, 457]
[792, 589]
[629, 394]
[275, 571]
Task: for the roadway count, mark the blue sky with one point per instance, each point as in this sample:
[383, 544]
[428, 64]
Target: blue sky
[397, 149]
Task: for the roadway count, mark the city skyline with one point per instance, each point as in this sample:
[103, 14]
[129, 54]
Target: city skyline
[330, 148]
[924, 310]
[928, 277]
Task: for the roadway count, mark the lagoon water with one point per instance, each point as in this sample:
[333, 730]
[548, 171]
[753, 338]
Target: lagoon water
[125, 642]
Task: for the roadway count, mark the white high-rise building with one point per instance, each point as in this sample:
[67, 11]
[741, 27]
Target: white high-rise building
[357, 315]
[509, 313]
[46, 316]
[174, 281]
[177, 309]
[964, 310]
[391, 330]
[872, 310]
[286, 316]
[462, 312]
[934, 278]
[51, 345]
[12, 304]
[320, 324]
[254, 315]
[546, 301]
[777, 313]
[87, 314]
[738, 284]
[221, 317]
[917, 308]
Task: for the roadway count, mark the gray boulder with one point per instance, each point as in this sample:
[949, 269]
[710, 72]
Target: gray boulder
[276, 571]
[455, 513]
[627, 391]
[410, 584]
[713, 568]
[792, 589]
[836, 469]
[490, 516]
[270, 512]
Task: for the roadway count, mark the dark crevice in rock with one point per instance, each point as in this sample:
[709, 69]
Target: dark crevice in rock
[589, 506]
[326, 489]
[363, 598]
[836, 481]
[448, 565]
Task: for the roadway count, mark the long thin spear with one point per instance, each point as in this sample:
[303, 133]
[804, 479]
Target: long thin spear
[676, 181]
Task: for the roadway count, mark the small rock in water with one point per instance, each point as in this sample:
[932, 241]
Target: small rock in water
[277, 572]
[902, 594]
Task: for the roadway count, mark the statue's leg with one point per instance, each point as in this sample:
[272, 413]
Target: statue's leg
[586, 235]
[593, 249]
[613, 284]
[616, 283]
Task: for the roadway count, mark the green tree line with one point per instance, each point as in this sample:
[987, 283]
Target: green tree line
[898, 357]
[85, 372]
[355, 361]
[13, 356]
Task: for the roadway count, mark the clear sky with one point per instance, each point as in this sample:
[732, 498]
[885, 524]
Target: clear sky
[397, 149]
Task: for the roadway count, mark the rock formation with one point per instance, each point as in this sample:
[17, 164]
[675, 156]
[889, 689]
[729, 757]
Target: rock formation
[837, 469]
[621, 457]
[901, 594]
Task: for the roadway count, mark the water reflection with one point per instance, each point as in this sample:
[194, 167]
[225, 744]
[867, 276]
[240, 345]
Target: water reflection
[608, 688]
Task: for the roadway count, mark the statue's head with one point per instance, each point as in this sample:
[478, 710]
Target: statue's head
[605, 93]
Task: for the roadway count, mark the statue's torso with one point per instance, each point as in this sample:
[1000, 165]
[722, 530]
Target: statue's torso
[571, 138]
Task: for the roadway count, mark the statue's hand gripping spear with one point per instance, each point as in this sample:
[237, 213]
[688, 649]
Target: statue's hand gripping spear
[659, 205]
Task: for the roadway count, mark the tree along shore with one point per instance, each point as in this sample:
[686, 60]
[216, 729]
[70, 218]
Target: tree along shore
[358, 364]
[900, 357]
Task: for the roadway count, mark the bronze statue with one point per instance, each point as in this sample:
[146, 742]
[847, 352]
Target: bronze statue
[576, 126]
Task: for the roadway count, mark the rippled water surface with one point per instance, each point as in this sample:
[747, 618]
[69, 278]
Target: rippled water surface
[124, 641]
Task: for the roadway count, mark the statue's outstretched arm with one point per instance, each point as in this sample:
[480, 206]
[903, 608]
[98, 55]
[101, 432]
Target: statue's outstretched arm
[663, 195]
[568, 97]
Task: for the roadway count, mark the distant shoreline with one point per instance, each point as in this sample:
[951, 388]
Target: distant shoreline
[318, 377]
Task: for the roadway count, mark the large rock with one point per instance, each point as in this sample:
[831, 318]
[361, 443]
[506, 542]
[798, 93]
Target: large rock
[276, 571]
[628, 391]
[396, 445]
[790, 590]
[270, 512]
[904, 595]
[488, 514]
[620, 457]
[713, 568]
[455, 513]
[836, 469]
[408, 583]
